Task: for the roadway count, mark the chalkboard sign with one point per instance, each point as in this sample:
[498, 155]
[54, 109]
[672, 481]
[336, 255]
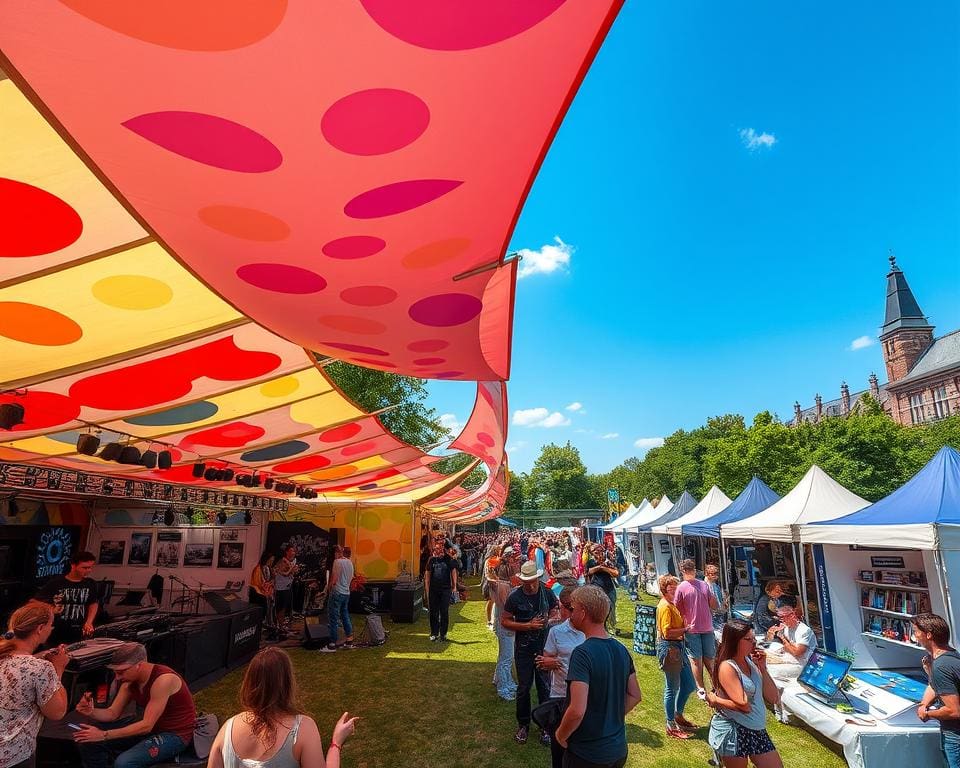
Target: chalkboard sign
[645, 630]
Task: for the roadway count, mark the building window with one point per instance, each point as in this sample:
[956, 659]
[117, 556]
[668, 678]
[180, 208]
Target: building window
[940, 405]
[916, 408]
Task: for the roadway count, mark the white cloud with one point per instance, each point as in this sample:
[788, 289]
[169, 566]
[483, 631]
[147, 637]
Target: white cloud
[754, 141]
[647, 443]
[861, 342]
[574, 407]
[513, 447]
[552, 257]
[610, 436]
[539, 417]
[450, 423]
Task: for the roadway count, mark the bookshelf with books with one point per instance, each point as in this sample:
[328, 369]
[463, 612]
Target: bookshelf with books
[888, 600]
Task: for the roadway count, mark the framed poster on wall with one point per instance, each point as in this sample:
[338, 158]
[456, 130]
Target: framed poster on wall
[198, 555]
[111, 552]
[140, 546]
[168, 549]
[230, 555]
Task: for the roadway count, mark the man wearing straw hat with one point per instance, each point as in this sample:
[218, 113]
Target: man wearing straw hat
[526, 612]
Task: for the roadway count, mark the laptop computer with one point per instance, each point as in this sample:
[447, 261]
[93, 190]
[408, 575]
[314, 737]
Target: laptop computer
[822, 676]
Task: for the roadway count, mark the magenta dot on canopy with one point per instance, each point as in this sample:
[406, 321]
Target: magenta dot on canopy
[381, 363]
[208, 139]
[429, 361]
[368, 295]
[428, 345]
[448, 374]
[281, 278]
[358, 348]
[442, 25]
[354, 247]
[375, 122]
[398, 197]
[446, 309]
[486, 439]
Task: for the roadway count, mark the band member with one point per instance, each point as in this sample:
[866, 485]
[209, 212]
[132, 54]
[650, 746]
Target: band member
[283, 574]
[262, 587]
[74, 600]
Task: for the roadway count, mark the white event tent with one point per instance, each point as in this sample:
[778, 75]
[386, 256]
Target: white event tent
[651, 513]
[816, 497]
[713, 503]
[622, 522]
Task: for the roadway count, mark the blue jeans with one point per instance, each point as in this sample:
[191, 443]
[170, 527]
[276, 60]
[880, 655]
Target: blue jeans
[340, 613]
[503, 674]
[679, 681]
[950, 746]
[132, 751]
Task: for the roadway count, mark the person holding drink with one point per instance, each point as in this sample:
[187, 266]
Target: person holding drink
[526, 612]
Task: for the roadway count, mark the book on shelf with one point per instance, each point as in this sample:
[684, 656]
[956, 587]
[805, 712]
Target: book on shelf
[895, 601]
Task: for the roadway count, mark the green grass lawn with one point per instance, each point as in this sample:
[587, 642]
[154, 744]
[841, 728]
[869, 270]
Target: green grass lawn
[433, 704]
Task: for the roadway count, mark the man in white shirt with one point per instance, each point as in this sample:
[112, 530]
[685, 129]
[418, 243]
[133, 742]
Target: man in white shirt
[338, 601]
[792, 642]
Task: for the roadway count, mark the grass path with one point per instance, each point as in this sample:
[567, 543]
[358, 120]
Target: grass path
[428, 703]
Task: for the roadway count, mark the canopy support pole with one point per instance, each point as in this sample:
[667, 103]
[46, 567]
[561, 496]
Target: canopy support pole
[724, 581]
[798, 552]
[944, 588]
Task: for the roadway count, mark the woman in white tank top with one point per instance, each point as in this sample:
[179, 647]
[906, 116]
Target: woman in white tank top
[272, 731]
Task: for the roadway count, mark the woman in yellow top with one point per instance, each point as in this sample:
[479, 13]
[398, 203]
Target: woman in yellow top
[673, 659]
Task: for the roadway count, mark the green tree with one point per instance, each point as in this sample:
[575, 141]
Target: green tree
[448, 465]
[558, 480]
[410, 420]
[515, 493]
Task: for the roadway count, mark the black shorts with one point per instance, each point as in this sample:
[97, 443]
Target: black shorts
[284, 599]
[751, 742]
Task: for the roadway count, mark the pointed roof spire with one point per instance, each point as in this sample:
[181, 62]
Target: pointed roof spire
[902, 308]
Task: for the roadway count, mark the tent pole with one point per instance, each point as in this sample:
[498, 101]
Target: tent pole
[798, 547]
[724, 581]
[944, 589]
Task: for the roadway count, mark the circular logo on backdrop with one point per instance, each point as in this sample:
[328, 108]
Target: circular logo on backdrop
[53, 552]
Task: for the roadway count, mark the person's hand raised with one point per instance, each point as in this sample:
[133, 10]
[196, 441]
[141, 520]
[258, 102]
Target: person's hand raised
[344, 729]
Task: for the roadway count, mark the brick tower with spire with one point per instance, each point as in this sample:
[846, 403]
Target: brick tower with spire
[905, 334]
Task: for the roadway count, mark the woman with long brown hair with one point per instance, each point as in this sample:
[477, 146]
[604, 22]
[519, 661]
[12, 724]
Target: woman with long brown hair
[272, 731]
[31, 687]
[738, 729]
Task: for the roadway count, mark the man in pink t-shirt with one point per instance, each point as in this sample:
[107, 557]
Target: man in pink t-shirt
[696, 602]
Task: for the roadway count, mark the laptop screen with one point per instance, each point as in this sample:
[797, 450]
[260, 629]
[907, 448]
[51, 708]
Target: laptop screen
[824, 672]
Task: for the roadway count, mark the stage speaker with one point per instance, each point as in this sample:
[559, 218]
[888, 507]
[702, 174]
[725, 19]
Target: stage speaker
[111, 452]
[88, 444]
[406, 604]
[224, 601]
[149, 459]
[316, 630]
[11, 414]
[164, 460]
[129, 455]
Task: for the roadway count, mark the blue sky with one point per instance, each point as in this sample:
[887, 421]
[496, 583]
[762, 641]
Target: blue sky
[719, 205]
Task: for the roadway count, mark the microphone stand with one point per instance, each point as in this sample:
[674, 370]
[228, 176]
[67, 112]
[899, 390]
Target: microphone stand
[185, 588]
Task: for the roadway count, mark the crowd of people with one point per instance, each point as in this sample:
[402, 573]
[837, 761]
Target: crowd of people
[551, 603]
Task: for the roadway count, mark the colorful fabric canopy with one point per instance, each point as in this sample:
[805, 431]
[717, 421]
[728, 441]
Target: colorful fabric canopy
[347, 175]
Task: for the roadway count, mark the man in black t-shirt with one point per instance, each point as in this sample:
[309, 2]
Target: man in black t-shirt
[439, 581]
[74, 598]
[526, 611]
[941, 700]
[601, 573]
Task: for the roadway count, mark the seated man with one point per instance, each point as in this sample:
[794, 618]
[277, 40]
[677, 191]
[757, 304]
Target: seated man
[792, 643]
[165, 728]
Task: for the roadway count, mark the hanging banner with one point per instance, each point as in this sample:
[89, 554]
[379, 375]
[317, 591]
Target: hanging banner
[823, 599]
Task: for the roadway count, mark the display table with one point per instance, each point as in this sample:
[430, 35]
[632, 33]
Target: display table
[882, 745]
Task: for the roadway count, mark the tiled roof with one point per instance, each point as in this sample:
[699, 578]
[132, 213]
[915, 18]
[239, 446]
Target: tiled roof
[942, 356]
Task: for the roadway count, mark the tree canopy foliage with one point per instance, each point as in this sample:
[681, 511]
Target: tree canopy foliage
[866, 452]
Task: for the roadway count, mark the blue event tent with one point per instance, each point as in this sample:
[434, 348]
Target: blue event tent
[756, 497]
[684, 504]
[924, 513]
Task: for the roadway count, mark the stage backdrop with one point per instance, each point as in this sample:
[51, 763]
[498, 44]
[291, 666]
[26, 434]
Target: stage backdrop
[380, 535]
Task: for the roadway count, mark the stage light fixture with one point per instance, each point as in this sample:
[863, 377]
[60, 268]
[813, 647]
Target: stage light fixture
[87, 444]
[129, 454]
[149, 459]
[255, 480]
[211, 475]
[11, 414]
[268, 483]
[111, 451]
[243, 480]
[169, 518]
[164, 460]
[199, 468]
[227, 474]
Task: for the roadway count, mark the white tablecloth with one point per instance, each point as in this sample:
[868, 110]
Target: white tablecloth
[874, 746]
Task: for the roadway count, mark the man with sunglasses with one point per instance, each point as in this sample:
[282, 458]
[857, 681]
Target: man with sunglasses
[555, 659]
[792, 642]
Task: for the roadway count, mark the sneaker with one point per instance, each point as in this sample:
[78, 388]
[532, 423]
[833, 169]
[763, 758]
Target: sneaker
[521, 735]
[433, 638]
[545, 738]
[347, 645]
[686, 725]
[443, 638]
[677, 733]
[328, 649]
